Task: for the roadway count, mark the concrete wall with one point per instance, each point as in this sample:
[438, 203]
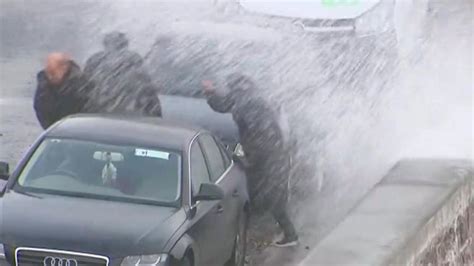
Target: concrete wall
[419, 214]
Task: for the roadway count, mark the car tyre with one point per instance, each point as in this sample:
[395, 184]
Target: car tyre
[186, 261]
[240, 244]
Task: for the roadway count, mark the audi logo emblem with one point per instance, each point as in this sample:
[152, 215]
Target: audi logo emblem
[57, 261]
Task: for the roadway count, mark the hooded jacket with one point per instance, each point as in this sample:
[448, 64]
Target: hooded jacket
[122, 83]
[261, 137]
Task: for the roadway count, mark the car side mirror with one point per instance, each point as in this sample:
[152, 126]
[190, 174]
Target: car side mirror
[209, 191]
[4, 171]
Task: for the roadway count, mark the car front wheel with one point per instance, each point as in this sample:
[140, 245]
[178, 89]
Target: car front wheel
[186, 261]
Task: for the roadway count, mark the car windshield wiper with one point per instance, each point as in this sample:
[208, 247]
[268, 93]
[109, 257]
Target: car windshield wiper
[27, 194]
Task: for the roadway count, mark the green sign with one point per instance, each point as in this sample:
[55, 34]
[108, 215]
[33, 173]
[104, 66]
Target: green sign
[333, 3]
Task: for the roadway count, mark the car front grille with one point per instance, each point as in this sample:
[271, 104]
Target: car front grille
[45, 257]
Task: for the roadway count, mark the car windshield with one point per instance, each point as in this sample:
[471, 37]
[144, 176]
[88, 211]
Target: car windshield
[102, 171]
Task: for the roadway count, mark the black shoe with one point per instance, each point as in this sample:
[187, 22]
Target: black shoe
[286, 242]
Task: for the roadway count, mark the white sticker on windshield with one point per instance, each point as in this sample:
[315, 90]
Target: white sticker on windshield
[152, 154]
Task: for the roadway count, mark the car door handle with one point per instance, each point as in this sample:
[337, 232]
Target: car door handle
[219, 209]
[235, 194]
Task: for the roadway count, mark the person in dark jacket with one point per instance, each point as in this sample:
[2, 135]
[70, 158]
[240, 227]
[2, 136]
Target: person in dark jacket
[136, 94]
[62, 90]
[123, 84]
[114, 60]
[267, 160]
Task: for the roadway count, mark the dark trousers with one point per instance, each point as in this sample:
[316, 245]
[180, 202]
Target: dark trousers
[265, 195]
[280, 214]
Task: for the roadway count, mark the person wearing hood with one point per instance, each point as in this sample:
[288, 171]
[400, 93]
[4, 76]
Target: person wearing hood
[62, 90]
[267, 160]
[123, 84]
[115, 59]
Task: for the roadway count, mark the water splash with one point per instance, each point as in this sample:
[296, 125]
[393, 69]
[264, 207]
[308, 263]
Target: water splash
[356, 106]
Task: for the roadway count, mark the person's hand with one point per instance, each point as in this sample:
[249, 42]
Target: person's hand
[208, 87]
[57, 66]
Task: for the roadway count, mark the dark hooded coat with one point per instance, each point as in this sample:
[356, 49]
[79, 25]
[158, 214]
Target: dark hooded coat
[262, 140]
[122, 83]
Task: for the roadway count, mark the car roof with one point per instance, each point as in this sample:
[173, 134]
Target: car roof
[126, 130]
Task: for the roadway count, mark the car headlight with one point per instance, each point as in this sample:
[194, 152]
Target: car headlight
[148, 260]
[377, 20]
[2, 252]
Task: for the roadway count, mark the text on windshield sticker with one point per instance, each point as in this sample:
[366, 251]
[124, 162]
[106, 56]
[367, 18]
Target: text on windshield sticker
[152, 154]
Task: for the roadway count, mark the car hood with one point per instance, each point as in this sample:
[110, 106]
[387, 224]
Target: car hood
[310, 9]
[197, 112]
[113, 229]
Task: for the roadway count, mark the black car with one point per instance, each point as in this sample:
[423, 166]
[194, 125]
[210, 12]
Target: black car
[107, 190]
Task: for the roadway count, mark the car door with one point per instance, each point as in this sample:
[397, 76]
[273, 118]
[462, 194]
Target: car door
[236, 182]
[218, 168]
[205, 212]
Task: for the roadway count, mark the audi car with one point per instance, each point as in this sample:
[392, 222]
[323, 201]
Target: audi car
[114, 190]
